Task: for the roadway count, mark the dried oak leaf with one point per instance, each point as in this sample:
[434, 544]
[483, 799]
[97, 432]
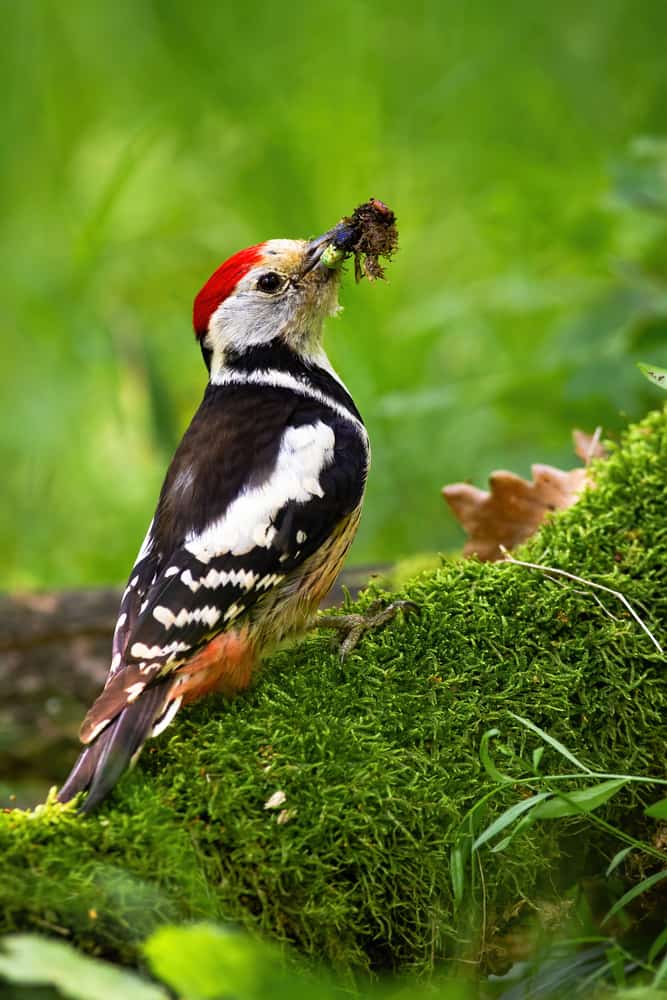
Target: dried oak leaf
[513, 508]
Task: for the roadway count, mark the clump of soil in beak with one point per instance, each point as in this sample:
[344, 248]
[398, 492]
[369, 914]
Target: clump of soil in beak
[368, 234]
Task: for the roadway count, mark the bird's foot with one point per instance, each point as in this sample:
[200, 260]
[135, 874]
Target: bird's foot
[352, 627]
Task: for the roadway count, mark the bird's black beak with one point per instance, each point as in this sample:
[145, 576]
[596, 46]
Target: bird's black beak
[342, 239]
[314, 252]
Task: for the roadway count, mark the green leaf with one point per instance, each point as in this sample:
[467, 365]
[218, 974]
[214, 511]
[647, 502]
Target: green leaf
[658, 945]
[584, 800]
[502, 844]
[487, 760]
[656, 375]
[556, 744]
[203, 962]
[661, 973]
[524, 822]
[631, 894]
[617, 858]
[508, 817]
[616, 959]
[658, 810]
[31, 958]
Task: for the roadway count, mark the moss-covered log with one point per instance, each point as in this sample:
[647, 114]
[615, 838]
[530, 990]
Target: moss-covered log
[378, 758]
[54, 657]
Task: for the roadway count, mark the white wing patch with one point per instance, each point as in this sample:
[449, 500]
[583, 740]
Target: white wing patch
[163, 722]
[243, 578]
[270, 580]
[134, 690]
[141, 651]
[144, 550]
[208, 615]
[247, 523]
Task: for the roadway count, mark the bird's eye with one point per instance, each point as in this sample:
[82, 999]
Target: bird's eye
[270, 282]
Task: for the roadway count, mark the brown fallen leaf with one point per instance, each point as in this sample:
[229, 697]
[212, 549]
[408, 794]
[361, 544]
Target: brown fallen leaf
[513, 508]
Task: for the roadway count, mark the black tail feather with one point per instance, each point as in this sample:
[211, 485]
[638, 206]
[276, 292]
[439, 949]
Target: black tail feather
[101, 764]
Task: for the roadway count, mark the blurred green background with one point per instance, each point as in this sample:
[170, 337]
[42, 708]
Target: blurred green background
[146, 140]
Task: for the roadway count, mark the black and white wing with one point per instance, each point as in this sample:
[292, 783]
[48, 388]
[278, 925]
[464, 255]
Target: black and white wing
[251, 494]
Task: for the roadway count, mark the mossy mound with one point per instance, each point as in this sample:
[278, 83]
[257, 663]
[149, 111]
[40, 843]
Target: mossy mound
[378, 758]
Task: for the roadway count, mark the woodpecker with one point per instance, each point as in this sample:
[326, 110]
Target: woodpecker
[258, 509]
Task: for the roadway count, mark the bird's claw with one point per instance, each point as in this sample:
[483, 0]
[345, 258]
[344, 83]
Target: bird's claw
[353, 626]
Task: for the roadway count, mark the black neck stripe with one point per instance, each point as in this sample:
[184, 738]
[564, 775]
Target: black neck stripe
[276, 356]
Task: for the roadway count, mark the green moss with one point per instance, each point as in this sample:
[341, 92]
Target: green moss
[378, 758]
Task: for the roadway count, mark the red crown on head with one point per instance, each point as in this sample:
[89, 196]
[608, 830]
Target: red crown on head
[221, 284]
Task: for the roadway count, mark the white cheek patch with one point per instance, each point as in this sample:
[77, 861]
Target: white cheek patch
[248, 521]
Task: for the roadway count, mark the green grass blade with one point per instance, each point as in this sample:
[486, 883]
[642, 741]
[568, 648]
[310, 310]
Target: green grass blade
[617, 858]
[556, 744]
[631, 894]
[506, 841]
[508, 817]
[584, 800]
[658, 946]
[661, 974]
[487, 760]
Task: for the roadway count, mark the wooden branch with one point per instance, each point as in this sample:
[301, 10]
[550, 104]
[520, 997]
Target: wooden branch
[54, 655]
